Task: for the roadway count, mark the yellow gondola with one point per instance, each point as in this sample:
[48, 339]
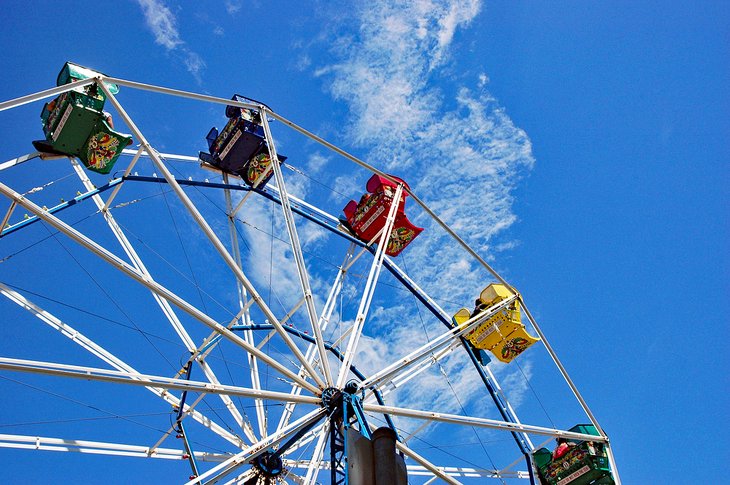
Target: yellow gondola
[503, 333]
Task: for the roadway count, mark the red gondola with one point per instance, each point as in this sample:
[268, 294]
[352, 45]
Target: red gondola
[367, 217]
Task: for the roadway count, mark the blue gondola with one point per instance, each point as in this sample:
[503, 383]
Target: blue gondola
[240, 148]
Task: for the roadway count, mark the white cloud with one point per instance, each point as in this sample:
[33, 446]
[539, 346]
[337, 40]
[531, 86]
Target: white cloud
[194, 64]
[463, 162]
[317, 162]
[458, 149]
[348, 186]
[483, 79]
[163, 24]
[233, 6]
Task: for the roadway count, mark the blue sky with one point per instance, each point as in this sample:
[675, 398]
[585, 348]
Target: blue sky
[580, 147]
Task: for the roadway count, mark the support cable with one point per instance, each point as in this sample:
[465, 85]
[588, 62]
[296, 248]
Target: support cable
[112, 300]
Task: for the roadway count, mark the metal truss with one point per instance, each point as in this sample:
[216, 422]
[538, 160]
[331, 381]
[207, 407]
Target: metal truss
[310, 378]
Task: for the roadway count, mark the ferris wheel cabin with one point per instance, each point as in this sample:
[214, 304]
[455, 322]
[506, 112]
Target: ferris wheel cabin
[75, 123]
[367, 217]
[574, 462]
[241, 148]
[503, 333]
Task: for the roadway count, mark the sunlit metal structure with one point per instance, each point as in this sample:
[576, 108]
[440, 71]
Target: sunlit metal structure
[327, 390]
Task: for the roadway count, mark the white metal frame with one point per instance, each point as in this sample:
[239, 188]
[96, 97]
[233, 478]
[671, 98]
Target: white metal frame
[307, 378]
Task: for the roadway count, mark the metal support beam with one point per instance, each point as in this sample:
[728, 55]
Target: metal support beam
[103, 354]
[122, 377]
[229, 466]
[208, 231]
[369, 289]
[296, 247]
[244, 304]
[42, 443]
[481, 422]
[148, 282]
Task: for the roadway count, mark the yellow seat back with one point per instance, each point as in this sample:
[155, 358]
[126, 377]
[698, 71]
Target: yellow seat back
[494, 293]
[461, 317]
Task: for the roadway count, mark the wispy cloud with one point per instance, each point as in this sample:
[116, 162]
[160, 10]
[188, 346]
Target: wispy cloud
[163, 24]
[454, 143]
[463, 161]
[233, 6]
[459, 150]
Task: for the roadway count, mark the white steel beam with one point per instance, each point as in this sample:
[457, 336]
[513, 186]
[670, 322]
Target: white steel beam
[244, 315]
[480, 422]
[316, 461]
[103, 354]
[14, 103]
[43, 443]
[324, 319]
[209, 233]
[17, 161]
[390, 372]
[420, 470]
[426, 464]
[218, 472]
[116, 189]
[296, 247]
[148, 282]
[135, 378]
[576, 393]
[163, 304]
[369, 289]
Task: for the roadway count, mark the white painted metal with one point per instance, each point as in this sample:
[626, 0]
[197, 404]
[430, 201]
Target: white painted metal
[296, 248]
[229, 466]
[177, 92]
[397, 374]
[244, 315]
[7, 216]
[369, 290]
[43, 443]
[419, 470]
[163, 304]
[466, 472]
[97, 350]
[16, 161]
[147, 281]
[316, 461]
[209, 233]
[425, 463]
[562, 370]
[116, 189]
[14, 103]
[137, 379]
[511, 410]
[389, 373]
[401, 379]
[166, 156]
[329, 307]
[480, 422]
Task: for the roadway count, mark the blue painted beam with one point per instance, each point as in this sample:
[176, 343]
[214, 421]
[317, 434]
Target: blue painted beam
[62, 206]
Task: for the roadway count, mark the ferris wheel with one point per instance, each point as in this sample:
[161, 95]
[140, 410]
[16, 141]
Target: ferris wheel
[226, 326]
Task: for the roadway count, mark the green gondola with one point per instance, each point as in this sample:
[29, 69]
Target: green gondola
[583, 462]
[75, 124]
